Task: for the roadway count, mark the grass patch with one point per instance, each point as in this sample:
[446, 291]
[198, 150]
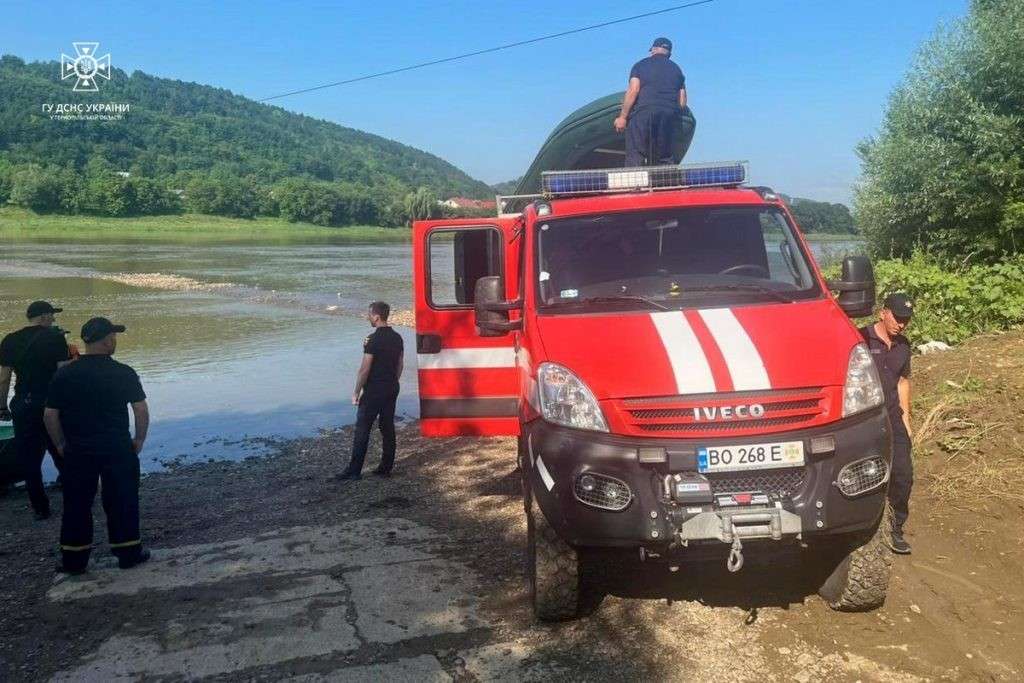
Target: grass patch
[18, 225]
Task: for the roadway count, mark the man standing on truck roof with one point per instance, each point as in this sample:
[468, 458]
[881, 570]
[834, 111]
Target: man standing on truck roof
[891, 352]
[87, 417]
[655, 98]
[376, 392]
[33, 353]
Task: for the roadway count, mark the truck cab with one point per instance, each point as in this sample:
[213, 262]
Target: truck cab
[681, 379]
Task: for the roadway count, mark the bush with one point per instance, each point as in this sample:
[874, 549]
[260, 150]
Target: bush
[952, 304]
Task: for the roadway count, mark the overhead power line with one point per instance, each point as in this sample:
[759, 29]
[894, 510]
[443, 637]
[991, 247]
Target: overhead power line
[497, 48]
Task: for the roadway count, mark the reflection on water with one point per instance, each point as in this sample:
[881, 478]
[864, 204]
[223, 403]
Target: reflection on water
[258, 358]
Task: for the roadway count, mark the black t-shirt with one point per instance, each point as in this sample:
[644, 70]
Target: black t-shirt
[892, 363]
[92, 395]
[387, 347]
[661, 79]
[33, 352]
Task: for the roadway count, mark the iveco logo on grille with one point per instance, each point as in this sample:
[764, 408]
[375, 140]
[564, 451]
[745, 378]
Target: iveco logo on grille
[741, 412]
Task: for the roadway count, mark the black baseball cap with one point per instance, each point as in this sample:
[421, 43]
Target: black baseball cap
[900, 305]
[662, 42]
[98, 328]
[37, 308]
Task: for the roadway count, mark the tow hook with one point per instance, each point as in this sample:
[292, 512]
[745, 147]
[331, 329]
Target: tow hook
[735, 561]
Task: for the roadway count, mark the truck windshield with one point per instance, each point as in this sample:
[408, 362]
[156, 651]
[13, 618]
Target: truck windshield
[671, 259]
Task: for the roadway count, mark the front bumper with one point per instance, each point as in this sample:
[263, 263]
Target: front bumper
[806, 504]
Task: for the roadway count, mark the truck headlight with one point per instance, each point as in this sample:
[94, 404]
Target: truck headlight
[863, 389]
[566, 400]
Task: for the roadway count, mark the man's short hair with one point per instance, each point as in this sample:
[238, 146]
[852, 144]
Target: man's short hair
[380, 308]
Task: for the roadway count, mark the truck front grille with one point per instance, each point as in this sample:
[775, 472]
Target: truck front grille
[696, 415]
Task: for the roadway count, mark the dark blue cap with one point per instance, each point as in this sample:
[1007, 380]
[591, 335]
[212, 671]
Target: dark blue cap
[98, 328]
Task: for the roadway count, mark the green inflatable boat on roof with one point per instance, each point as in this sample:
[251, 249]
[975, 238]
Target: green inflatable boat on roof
[586, 139]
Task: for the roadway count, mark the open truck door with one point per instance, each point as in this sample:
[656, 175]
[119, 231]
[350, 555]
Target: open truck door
[468, 383]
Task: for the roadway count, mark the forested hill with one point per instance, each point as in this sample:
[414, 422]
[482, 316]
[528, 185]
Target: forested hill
[176, 128]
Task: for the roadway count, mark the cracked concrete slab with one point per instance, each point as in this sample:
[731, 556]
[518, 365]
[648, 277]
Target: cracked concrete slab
[360, 543]
[307, 620]
[413, 599]
[298, 593]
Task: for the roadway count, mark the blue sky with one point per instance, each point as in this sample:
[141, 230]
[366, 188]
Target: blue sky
[790, 85]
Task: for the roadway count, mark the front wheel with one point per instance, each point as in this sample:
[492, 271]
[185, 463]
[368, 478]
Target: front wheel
[860, 581]
[553, 568]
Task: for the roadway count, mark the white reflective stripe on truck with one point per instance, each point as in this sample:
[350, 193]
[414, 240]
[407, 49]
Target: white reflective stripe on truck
[689, 364]
[453, 359]
[738, 349]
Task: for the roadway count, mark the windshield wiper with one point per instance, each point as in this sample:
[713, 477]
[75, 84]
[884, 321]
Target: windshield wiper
[778, 296]
[614, 299]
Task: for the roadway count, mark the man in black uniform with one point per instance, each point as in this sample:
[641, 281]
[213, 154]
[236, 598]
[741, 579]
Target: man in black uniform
[376, 392]
[87, 417]
[33, 353]
[891, 352]
[657, 88]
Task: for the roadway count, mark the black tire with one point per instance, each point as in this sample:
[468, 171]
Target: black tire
[861, 579]
[553, 569]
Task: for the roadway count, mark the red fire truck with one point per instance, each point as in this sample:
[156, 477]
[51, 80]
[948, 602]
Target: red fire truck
[681, 379]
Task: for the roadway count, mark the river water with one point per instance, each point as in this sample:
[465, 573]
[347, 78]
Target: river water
[234, 343]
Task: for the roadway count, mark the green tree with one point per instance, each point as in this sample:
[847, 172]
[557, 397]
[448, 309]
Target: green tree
[824, 217]
[6, 180]
[422, 204]
[310, 201]
[946, 171]
[36, 188]
[152, 197]
[223, 194]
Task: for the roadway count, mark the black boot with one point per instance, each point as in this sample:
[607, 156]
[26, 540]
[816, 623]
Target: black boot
[133, 560]
[898, 544]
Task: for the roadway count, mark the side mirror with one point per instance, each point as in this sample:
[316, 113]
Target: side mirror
[491, 309]
[856, 287]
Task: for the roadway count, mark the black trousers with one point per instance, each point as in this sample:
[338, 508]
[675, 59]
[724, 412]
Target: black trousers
[31, 442]
[901, 479]
[118, 469]
[650, 137]
[375, 405]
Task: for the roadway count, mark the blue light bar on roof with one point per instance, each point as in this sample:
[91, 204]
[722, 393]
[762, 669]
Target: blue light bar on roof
[643, 178]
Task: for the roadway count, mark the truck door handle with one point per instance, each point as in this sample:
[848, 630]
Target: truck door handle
[428, 343]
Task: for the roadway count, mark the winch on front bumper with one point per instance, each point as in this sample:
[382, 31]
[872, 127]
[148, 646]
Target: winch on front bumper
[599, 489]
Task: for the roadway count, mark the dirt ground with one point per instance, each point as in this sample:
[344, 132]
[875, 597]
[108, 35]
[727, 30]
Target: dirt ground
[269, 569]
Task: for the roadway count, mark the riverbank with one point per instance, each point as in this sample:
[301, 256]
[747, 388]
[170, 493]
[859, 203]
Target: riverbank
[268, 569]
[20, 225]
